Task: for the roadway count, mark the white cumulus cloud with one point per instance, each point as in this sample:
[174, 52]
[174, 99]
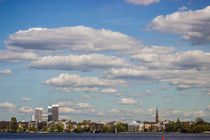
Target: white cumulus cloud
[12, 56]
[69, 82]
[127, 101]
[4, 72]
[79, 62]
[84, 105]
[142, 2]
[25, 99]
[109, 90]
[192, 25]
[6, 106]
[26, 109]
[76, 38]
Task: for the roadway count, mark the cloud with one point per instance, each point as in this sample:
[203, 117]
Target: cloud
[164, 87]
[70, 82]
[127, 101]
[147, 93]
[79, 62]
[168, 103]
[189, 69]
[76, 38]
[182, 79]
[192, 25]
[180, 60]
[4, 72]
[26, 109]
[142, 2]
[109, 90]
[84, 105]
[164, 96]
[12, 56]
[6, 106]
[114, 110]
[66, 110]
[65, 103]
[25, 99]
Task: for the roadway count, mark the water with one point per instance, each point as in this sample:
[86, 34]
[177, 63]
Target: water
[127, 136]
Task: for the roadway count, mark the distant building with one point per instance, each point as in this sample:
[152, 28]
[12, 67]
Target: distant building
[135, 126]
[38, 114]
[45, 117]
[53, 113]
[49, 113]
[153, 126]
[32, 118]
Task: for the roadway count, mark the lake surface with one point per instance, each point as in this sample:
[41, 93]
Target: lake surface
[127, 136]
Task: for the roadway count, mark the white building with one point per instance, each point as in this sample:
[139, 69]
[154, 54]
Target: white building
[45, 117]
[38, 114]
[135, 126]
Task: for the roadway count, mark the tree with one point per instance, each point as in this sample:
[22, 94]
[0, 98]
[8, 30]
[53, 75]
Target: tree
[199, 121]
[52, 128]
[170, 127]
[106, 129]
[78, 129]
[186, 128]
[178, 125]
[120, 127]
[59, 127]
[32, 129]
[13, 125]
[69, 127]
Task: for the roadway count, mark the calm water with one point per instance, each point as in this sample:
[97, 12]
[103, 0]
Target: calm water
[130, 136]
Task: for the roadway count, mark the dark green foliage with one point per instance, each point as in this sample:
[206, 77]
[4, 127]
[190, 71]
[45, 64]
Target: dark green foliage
[13, 126]
[32, 129]
[121, 127]
[59, 127]
[198, 127]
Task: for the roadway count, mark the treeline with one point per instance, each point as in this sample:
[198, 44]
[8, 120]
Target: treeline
[58, 127]
[199, 126]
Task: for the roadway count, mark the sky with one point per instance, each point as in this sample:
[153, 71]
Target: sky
[105, 59]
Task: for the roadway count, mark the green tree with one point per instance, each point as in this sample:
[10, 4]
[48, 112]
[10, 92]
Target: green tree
[32, 129]
[69, 127]
[178, 125]
[13, 125]
[106, 129]
[52, 128]
[78, 129]
[199, 121]
[59, 127]
[186, 128]
[120, 127]
[170, 127]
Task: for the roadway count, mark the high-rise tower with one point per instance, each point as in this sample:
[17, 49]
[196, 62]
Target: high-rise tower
[49, 113]
[38, 114]
[53, 113]
[156, 118]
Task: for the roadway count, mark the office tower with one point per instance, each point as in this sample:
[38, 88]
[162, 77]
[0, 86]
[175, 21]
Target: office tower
[55, 112]
[38, 114]
[49, 113]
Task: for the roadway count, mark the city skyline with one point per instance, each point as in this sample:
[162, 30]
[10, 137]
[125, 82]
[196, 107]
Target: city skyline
[105, 60]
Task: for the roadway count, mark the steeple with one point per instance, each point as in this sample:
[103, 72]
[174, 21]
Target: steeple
[156, 118]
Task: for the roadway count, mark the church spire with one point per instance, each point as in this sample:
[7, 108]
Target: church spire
[157, 118]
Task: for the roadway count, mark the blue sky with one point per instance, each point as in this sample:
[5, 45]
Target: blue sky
[105, 59]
